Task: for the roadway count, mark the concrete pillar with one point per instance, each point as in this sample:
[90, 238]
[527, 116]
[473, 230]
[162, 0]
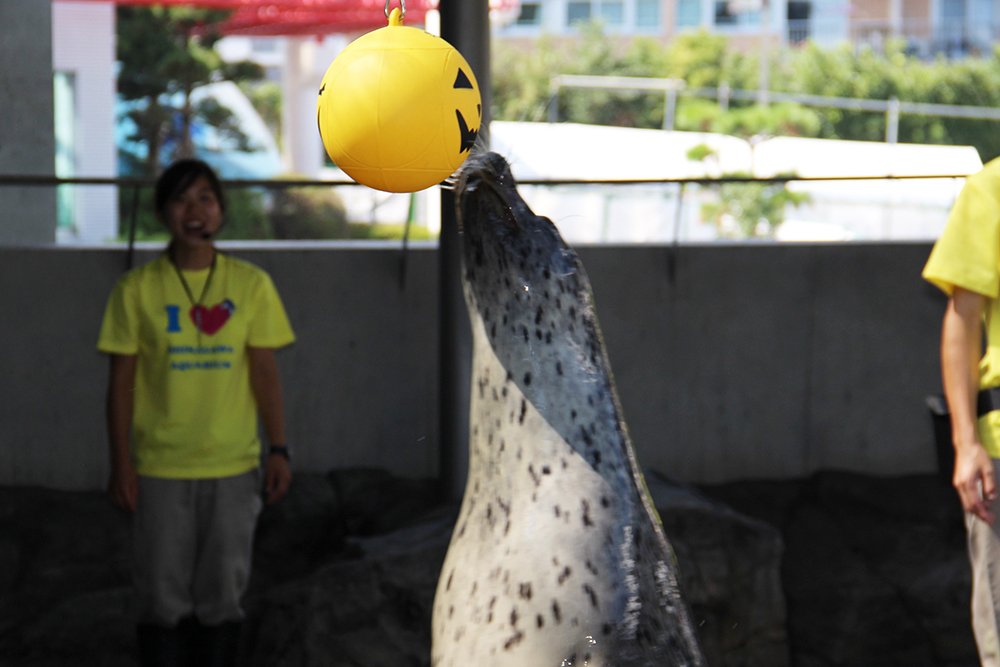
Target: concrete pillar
[465, 24]
[302, 149]
[83, 46]
[708, 14]
[896, 18]
[27, 141]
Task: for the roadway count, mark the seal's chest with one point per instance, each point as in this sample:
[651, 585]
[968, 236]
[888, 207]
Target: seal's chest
[533, 574]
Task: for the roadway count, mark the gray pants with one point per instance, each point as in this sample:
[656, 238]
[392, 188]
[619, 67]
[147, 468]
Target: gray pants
[192, 543]
[984, 554]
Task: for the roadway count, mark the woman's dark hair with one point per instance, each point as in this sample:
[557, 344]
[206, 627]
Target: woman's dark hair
[179, 176]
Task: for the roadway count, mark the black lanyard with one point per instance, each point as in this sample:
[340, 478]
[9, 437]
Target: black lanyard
[204, 290]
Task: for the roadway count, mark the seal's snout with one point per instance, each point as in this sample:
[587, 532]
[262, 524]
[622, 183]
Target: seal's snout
[485, 169]
[485, 185]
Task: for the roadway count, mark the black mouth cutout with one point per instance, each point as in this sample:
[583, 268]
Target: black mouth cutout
[468, 136]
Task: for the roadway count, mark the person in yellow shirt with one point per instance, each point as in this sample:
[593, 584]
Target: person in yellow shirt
[965, 263]
[191, 337]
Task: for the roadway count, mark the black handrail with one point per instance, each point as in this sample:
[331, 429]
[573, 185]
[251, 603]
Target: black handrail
[20, 180]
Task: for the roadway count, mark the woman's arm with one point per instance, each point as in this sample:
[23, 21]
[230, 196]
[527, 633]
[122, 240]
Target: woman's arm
[123, 487]
[961, 350]
[266, 384]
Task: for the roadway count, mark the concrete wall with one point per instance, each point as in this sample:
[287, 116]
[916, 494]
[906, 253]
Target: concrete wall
[27, 144]
[360, 383]
[772, 361]
[744, 362]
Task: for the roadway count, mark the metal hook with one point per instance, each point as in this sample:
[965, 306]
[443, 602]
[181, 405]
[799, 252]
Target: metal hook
[402, 7]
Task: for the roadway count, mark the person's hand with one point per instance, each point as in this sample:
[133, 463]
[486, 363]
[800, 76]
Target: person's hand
[277, 478]
[975, 480]
[123, 489]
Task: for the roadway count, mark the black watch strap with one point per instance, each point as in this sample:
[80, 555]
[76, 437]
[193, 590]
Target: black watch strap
[280, 450]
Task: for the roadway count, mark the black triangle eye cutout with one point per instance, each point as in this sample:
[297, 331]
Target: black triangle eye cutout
[468, 136]
[462, 80]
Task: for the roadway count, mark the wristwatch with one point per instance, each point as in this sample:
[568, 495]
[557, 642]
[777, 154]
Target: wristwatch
[280, 450]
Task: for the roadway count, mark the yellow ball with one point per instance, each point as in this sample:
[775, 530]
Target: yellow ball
[399, 109]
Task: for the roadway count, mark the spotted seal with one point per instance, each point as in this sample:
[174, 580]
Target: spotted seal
[558, 558]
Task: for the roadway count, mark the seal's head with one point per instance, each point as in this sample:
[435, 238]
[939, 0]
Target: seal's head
[534, 299]
[502, 238]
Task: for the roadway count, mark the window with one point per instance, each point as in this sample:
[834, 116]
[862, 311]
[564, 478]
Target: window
[953, 11]
[688, 13]
[798, 10]
[531, 14]
[613, 13]
[952, 34]
[726, 15]
[64, 99]
[264, 44]
[577, 12]
[647, 13]
[798, 20]
[723, 16]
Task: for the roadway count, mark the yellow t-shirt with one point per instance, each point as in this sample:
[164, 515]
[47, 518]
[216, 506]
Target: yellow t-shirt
[968, 256]
[194, 414]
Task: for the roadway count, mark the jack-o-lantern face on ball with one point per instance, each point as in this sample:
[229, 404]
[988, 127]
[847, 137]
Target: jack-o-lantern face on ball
[399, 109]
[464, 93]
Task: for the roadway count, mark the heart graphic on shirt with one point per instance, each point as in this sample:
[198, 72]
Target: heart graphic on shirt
[210, 320]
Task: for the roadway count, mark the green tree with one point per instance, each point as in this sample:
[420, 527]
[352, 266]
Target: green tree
[751, 210]
[308, 213]
[747, 210]
[164, 54]
[785, 119]
[265, 96]
[522, 91]
[868, 74]
[703, 60]
[521, 79]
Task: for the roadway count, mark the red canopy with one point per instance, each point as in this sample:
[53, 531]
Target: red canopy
[319, 17]
[306, 17]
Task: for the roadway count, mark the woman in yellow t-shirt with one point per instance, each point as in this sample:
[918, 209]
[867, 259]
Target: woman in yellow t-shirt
[191, 337]
[965, 264]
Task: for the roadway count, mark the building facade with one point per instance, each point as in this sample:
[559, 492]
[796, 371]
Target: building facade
[953, 27]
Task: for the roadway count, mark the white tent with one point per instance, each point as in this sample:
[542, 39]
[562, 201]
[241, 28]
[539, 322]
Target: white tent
[598, 152]
[837, 210]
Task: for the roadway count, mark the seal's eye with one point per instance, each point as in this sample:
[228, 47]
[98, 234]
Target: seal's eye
[510, 218]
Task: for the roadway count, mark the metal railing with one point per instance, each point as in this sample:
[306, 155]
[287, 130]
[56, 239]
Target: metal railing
[675, 191]
[674, 87]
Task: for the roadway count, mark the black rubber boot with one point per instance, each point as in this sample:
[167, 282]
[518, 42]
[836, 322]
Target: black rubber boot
[161, 646]
[217, 645]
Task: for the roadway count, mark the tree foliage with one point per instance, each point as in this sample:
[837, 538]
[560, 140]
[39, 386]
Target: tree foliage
[164, 54]
[747, 210]
[703, 60]
[751, 210]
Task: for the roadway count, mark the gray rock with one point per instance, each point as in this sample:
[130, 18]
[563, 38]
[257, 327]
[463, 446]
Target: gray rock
[372, 612]
[730, 568]
[875, 571]
[94, 628]
[65, 558]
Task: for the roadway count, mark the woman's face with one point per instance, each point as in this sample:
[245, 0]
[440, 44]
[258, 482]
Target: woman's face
[194, 216]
